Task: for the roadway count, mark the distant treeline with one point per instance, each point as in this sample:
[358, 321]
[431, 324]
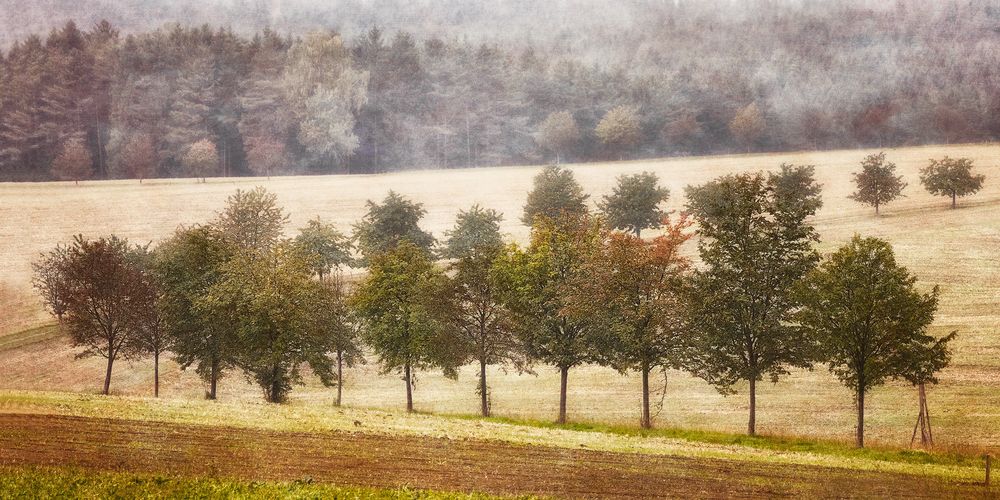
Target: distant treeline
[96, 103]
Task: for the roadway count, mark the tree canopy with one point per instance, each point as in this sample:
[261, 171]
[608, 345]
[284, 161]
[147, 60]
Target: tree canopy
[634, 204]
[951, 177]
[877, 182]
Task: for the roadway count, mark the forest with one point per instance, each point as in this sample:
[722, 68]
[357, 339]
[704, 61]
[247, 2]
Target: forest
[106, 101]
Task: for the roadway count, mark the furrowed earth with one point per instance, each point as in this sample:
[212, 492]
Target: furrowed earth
[956, 249]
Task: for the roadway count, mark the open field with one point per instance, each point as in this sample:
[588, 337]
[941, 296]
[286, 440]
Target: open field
[958, 249]
[392, 450]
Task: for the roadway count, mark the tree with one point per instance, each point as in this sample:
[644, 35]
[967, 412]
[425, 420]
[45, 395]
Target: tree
[619, 129]
[386, 225]
[138, 157]
[201, 160]
[555, 193]
[146, 318]
[269, 303]
[398, 306]
[334, 319]
[756, 244]
[867, 318]
[49, 280]
[877, 183]
[481, 321]
[558, 134]
[103, 288]
[187, 266]
[539, 283]
[73, 163]
[252, 221]
[265, 155]
[634, 204]
[951, 177]
[324, 92]
[747, 126]
[634, 291]
[326, 248]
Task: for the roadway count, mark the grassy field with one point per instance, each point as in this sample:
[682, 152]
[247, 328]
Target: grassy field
[957, 249]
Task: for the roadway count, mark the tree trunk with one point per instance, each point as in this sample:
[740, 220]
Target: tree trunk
[927, 436]
[483, 395]
[646, 422]
[752, 423]
[860, 441]
[876, 209]
[953, 201]
[563, 376]
[107, 375]
[409, 387]
[213, 379]
[156, 374]
[340, 375]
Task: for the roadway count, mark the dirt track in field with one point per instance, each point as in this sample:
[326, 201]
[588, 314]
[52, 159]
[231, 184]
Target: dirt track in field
[432, 463]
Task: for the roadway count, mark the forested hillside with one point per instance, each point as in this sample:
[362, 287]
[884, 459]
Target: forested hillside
[299, 87]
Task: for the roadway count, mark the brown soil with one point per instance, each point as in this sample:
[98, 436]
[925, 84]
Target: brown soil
[427, 463]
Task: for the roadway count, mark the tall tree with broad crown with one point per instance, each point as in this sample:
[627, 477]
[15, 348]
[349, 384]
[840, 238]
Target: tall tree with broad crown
[951, 177]
[634, 204]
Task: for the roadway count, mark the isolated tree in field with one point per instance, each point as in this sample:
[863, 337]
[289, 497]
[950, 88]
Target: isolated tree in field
[951, 177]
[187, 266]
[49, 280]
[539, 283]
[866, 317]
[201, 160]
[387, 224]
[138, 157]
[73, 163]
[926, 359]
[555, 194]
[619, 130]
[326, 248]
[269, 303]
[756, 244]
[265, 155]
[334, 320]
[558, 134]
[103, 287]
[633, 291]
[877, 182]
[478, 315]
[634, 204]
[747, 126]
[398, 305]
[252, 221]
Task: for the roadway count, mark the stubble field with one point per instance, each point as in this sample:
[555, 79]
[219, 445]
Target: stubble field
[957, 249]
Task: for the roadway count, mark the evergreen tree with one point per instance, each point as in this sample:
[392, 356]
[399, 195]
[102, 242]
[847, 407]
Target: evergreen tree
[555, 194]
[389, 223]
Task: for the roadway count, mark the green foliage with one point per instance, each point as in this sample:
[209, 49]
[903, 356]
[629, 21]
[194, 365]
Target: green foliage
[482, 324]
[756, 243]
[269, 303]
[327, 248]
[877, 183]
[951, 177]
[188, 265]
[476, 235]
[634, 204]
[555, 194]
[252, 221]
[386, 225]
[868, 320]
[398, 305]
